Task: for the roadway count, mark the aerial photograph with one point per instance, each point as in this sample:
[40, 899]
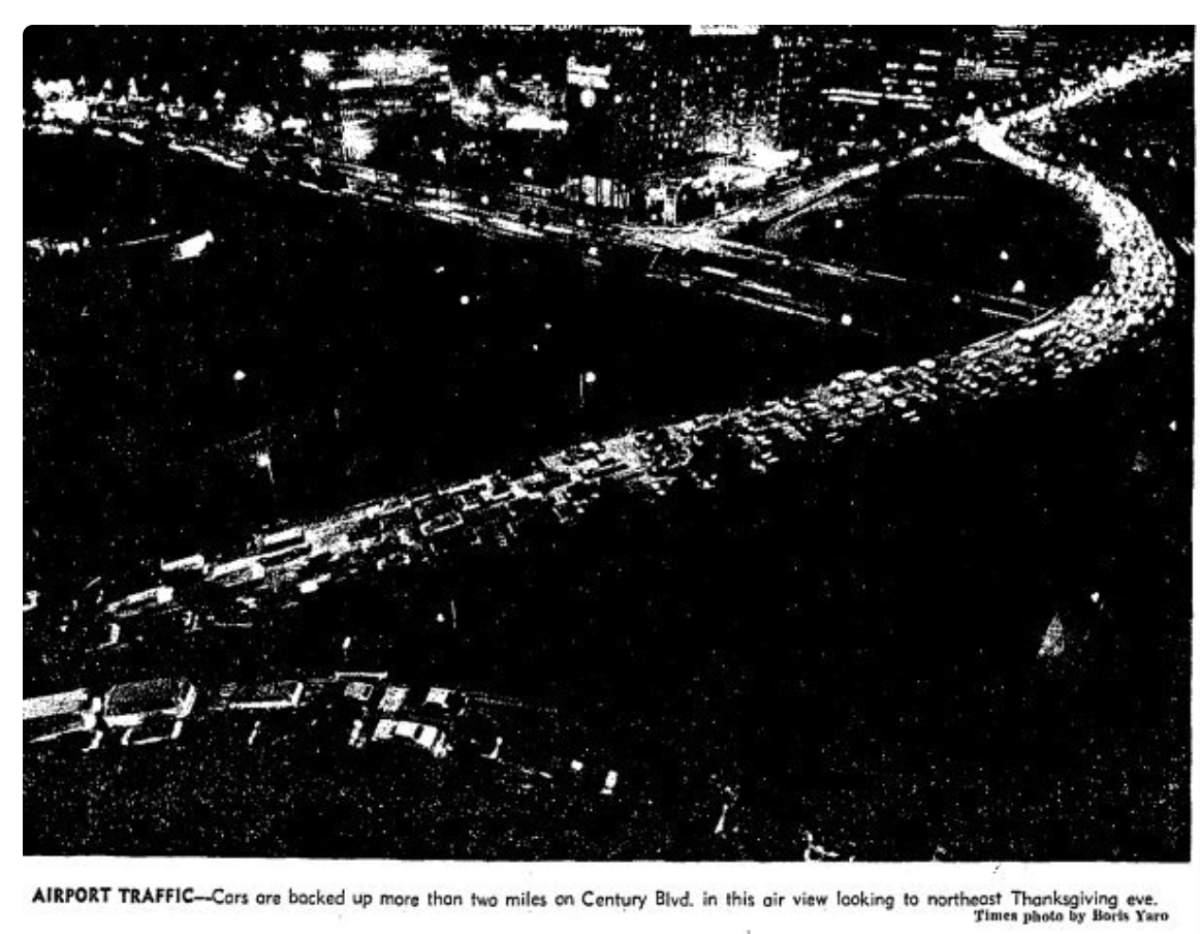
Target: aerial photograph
[608, 443]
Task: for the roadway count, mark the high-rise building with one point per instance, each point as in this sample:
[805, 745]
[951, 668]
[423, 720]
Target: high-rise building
[1045, 53]
[732, 87]
[792, 96]
[917, 66]
[626, 115]
[993, 55]
[675, 99]
[848, 69]
[875, 84]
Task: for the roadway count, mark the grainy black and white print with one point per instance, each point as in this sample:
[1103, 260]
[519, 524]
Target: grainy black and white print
[608, 443]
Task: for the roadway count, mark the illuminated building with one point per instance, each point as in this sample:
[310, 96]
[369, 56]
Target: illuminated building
[663, 104]
[792, 94]
[626, 115]
[366, 92]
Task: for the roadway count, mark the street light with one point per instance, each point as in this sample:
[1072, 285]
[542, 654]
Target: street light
[585, 379]
[263, 459]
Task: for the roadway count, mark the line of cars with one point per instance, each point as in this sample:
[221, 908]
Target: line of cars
[494, 512]
[348, 711]
[399, 714]
[524, 744]
[136, 713]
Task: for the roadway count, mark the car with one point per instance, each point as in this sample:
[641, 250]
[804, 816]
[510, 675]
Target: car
[274, 695]
[393, 698]
[421, 734]
[441, 697]
[132, 703]
[360, 691]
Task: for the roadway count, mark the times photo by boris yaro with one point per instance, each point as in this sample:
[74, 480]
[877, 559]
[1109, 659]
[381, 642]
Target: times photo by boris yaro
[611, 443]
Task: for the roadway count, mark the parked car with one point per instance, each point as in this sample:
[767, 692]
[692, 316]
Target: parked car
[421, 734]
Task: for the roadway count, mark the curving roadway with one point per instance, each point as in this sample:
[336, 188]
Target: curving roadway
[495, 511]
